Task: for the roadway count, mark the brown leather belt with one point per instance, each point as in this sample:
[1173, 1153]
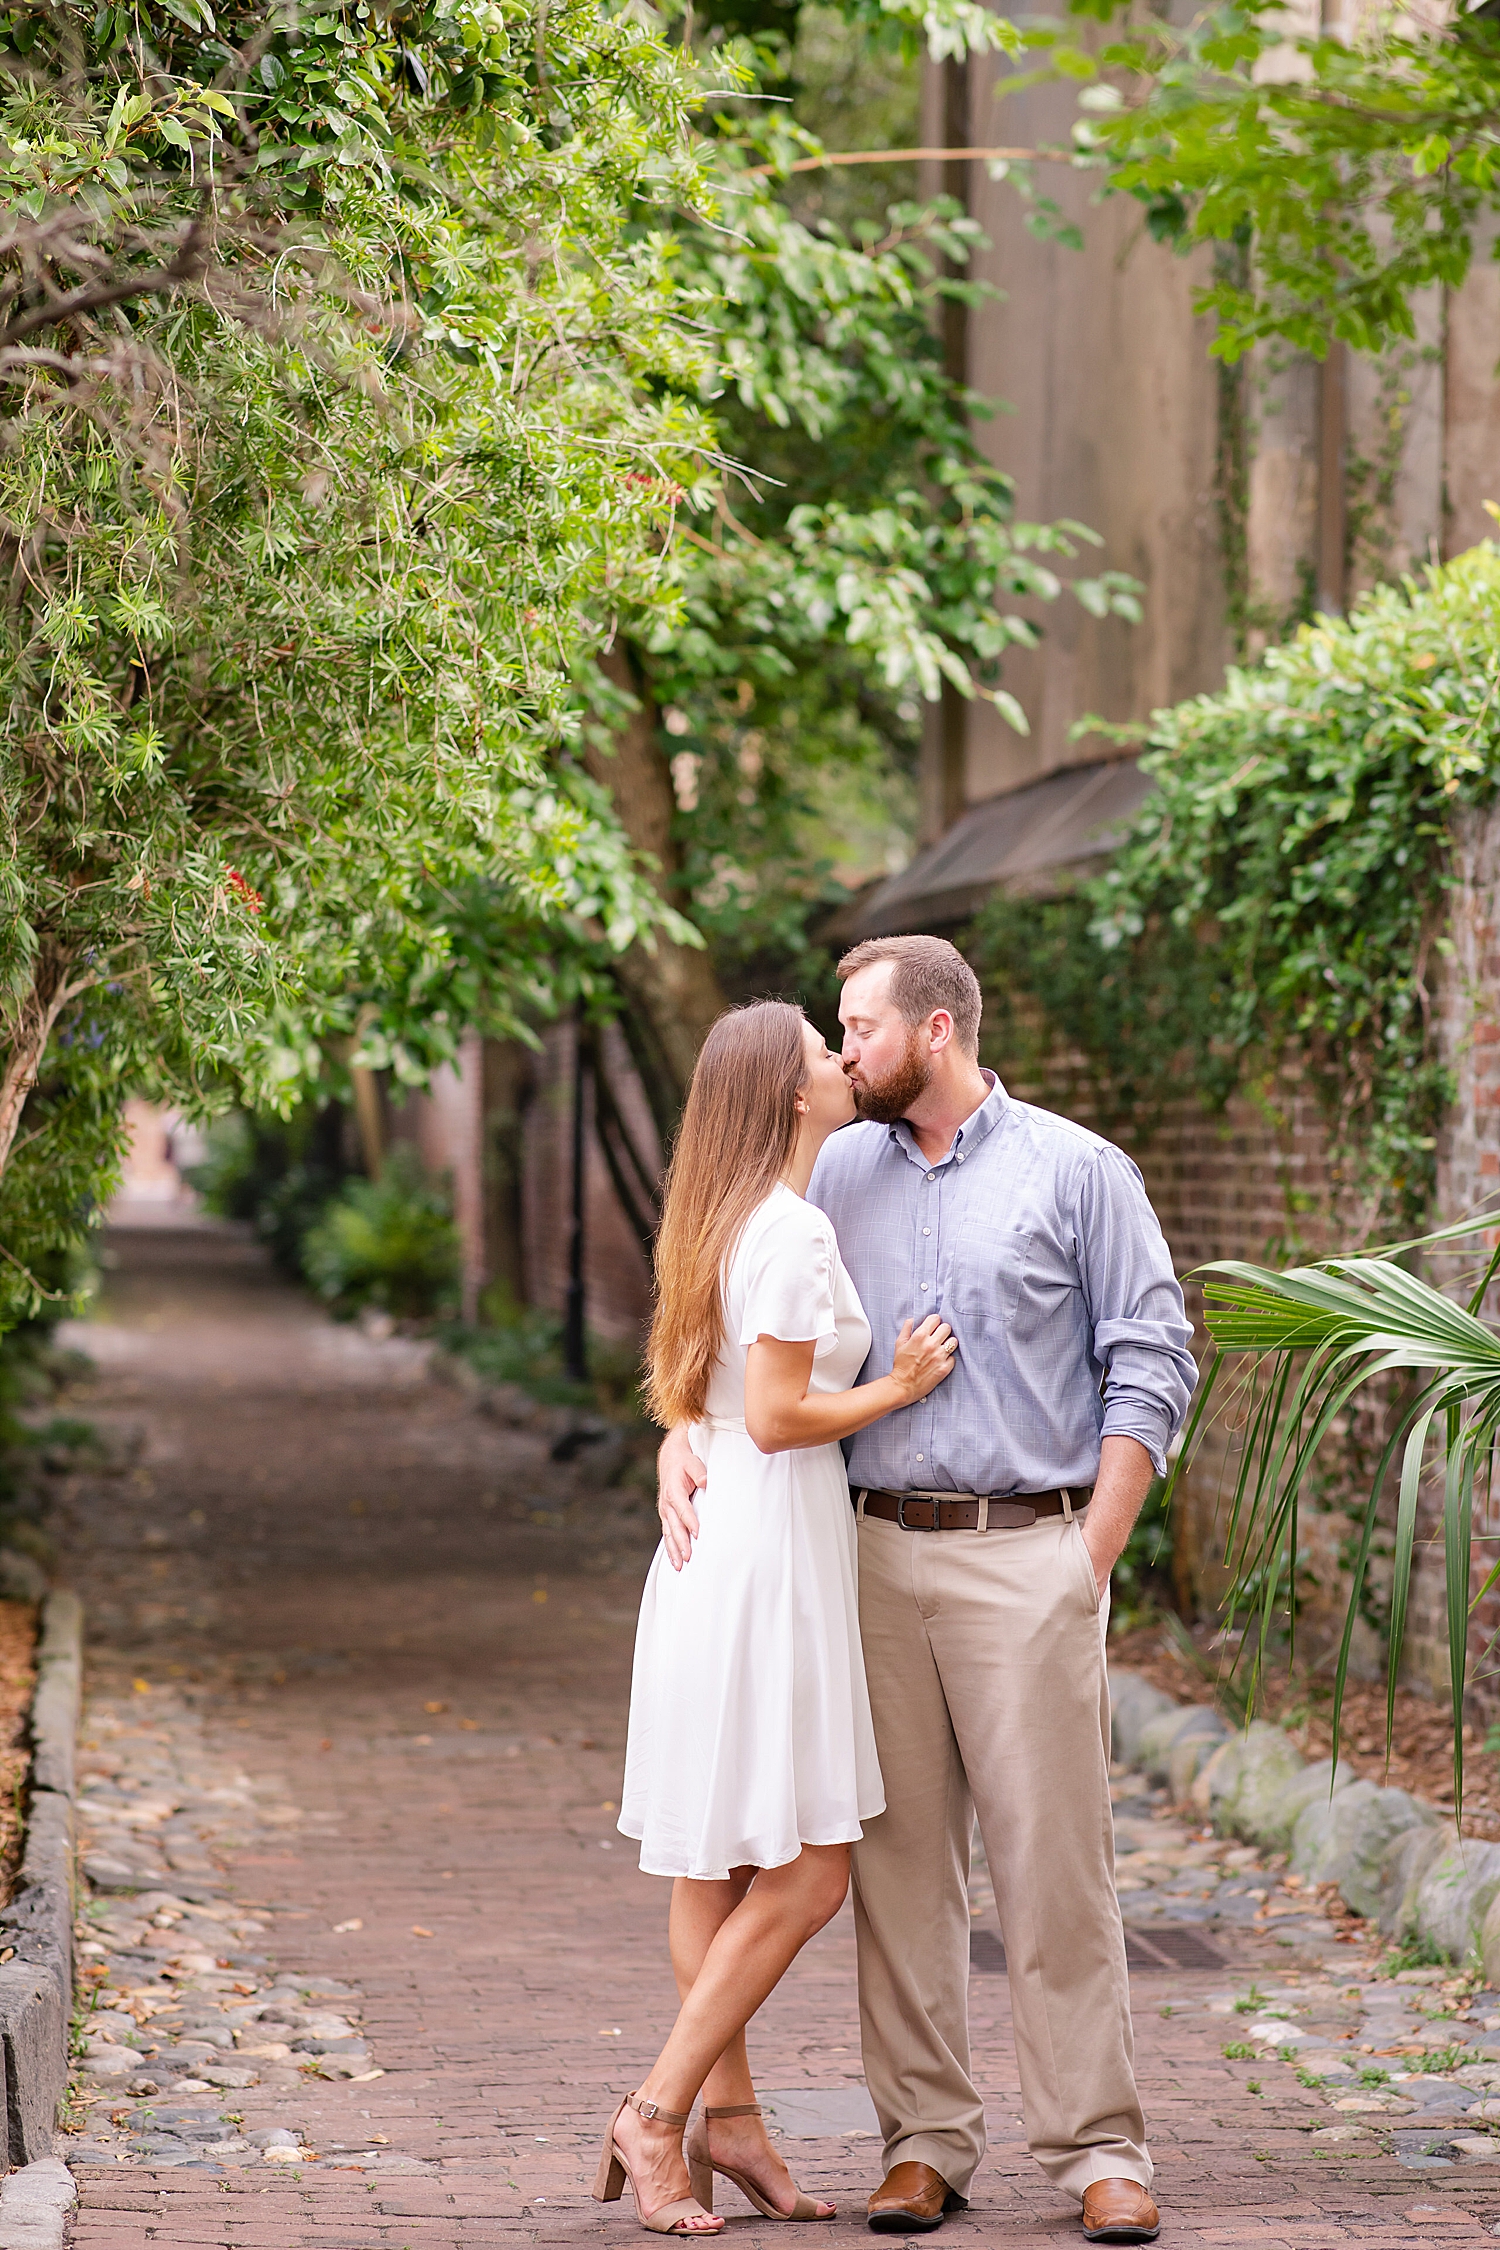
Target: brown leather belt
[968, 1511]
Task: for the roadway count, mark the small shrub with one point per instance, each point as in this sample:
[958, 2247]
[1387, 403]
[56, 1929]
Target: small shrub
[1239, 2050]
[388, 1242]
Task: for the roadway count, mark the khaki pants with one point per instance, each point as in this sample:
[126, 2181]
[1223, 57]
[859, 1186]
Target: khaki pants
[985, 1658]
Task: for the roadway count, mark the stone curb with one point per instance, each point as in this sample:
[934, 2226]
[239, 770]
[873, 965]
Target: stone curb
[36, 1982]
[1392, 1856]
[34, 2204]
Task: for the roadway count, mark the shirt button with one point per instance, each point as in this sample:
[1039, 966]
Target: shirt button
[921, 1456]
[927, 1230]
[960, 1160]
[931, 1176]
[924, 1285]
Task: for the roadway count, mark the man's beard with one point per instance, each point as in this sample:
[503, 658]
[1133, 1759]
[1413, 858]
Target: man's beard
[883, 1100]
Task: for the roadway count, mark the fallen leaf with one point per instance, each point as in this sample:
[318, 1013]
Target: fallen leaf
[470, 1726]
[142, 1687]
[362, 2078]
[434, 1708]
[341, 1929]
[418, 1931]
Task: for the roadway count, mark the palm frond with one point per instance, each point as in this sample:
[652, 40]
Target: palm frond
[1315, 1338]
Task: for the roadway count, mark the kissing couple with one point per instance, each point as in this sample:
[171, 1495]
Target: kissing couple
[885, 1257]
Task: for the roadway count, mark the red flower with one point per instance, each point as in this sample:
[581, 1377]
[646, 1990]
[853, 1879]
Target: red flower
[251, 898]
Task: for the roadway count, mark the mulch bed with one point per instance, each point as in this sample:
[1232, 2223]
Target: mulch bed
[17, 1679]
[1421, 1758]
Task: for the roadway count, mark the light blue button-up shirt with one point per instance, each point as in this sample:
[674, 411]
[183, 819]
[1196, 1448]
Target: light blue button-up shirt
[1035, 1241]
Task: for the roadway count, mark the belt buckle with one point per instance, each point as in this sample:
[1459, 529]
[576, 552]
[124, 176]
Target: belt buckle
[923, 1501]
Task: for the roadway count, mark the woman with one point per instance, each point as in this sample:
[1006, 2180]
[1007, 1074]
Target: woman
[751, 1759]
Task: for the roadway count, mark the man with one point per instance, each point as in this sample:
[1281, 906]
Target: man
[991, 1515]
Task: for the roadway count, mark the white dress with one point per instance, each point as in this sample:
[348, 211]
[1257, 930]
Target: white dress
[750, 1731]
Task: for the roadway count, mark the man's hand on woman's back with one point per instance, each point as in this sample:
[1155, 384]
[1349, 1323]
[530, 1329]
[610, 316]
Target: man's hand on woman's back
[680, 1476]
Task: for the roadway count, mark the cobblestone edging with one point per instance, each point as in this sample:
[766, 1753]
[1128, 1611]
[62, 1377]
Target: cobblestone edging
[191, 2043]
[36, 1928]
[1395, 1860]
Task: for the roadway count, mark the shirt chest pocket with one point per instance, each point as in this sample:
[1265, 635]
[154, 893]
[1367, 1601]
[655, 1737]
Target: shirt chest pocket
[987, 1272]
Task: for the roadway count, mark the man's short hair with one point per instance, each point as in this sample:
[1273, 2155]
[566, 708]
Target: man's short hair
[927, 973]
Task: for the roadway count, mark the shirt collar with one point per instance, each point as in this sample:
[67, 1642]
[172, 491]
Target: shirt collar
[974, 1129]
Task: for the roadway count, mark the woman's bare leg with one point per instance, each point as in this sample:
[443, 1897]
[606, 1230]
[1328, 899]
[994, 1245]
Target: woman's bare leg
[743, 1960]
[699, 1911]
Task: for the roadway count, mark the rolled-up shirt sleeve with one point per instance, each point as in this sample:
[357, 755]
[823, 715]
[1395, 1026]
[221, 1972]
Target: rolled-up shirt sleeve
[1135, 1306]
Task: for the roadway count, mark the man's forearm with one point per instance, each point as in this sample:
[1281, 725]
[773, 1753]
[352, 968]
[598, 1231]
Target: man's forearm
[1124, 1479]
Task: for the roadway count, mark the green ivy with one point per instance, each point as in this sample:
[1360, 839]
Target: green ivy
[1112, 1027]
[1283, 894]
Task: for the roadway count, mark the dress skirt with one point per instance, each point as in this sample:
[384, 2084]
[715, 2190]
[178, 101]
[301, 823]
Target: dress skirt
[750, 1730]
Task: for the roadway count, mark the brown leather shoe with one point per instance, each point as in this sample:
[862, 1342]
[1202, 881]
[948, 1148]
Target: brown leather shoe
[1119, 2211]
[912, 2199]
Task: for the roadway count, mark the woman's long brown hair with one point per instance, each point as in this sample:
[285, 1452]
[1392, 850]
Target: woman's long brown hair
[737, 1136]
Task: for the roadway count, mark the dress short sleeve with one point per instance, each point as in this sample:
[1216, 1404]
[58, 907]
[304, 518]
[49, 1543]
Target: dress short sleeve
[788, 1276]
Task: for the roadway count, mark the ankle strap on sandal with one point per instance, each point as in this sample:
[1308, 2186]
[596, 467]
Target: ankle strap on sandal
[739, 2109]
[654, 2113]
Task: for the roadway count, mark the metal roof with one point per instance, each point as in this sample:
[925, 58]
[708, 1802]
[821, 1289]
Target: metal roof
[1030, 840]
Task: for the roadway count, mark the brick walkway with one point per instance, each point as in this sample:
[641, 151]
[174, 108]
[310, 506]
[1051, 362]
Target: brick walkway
[316, 1550]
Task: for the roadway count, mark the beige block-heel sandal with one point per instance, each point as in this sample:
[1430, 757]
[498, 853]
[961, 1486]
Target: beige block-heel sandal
[614, 2171]
[702, 2167]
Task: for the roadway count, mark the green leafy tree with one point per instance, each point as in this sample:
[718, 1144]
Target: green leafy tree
[343, 406]
[368, 383]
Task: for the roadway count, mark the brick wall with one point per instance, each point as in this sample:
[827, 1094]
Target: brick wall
[1253, 1184]
[1466, 1008]
[499, 1127]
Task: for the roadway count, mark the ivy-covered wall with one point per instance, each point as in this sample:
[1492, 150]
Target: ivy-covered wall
[1280, 997]
[1245, 1181]
[1467, 1023]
